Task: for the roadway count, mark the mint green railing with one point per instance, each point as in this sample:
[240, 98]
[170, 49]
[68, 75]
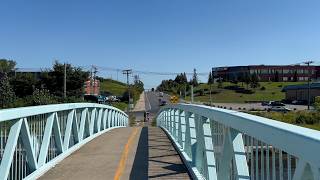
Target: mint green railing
[223, 144]
[34, 139]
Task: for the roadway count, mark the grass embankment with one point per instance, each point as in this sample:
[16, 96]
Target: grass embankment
[271, 91]
[116, 88]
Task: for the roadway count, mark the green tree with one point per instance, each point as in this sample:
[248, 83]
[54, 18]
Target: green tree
[210, 78]
[42, 97]
[23, 84]
[247, 79]
[276, 76]
[7, 95]
[194, 80]
[53, 80]
[254, 81]
[7, 66]
[295, 76]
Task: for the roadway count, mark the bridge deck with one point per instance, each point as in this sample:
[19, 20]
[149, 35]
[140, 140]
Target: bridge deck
[151, 156]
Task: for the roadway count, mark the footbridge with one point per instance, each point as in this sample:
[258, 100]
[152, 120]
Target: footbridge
[94, 141]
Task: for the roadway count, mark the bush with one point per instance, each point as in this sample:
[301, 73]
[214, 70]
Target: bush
[263, 88]
[42, 97]
[245, 91]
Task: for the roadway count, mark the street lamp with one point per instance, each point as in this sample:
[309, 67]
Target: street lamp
[308, 63]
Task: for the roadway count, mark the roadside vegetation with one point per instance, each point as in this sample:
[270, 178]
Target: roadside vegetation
[20, 89]
[301, 118]
[28, 89]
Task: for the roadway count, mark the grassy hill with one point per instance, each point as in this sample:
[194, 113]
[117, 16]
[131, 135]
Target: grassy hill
[271, 91]
[115, 88]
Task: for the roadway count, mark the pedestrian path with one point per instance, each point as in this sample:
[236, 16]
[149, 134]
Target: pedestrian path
[137, 153]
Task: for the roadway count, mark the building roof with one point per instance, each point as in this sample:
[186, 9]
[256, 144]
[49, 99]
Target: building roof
[301, 86]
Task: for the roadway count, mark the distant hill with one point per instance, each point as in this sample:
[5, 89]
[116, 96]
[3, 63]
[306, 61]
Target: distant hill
[114, 87]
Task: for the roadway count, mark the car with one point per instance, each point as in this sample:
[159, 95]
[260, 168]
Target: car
[265, 103]
[276, 103]
[163, 103]
[160, 94]
[279, 109]
[299, 102]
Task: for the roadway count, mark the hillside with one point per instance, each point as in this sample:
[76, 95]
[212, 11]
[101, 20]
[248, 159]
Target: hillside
[114, 87]
[271, 91]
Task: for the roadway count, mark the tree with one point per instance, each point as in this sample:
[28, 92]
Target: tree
[53, 80]
[23, 84]
[247, 79]
[7, 66]
[276, 76]
[194, 80]
[295, 76]
[254, 81]
[6, 93]
[42, 97]
[210, 78]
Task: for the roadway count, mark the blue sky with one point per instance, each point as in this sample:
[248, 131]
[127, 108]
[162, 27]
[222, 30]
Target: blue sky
[159, 35]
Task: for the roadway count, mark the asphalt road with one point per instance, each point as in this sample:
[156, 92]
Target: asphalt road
[152, 101]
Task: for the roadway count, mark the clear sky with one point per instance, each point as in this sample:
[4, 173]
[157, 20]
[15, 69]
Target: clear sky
[159, 35]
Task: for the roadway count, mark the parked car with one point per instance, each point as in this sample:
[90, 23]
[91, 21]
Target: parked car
[299, 102]
[160, 94]
[276, 103]
[279, 109]
[265, 103]
[163, 103]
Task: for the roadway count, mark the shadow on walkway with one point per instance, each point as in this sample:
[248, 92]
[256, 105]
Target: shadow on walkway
[156, 157]
[140, 164]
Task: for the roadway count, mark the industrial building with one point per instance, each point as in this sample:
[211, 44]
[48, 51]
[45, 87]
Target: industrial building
[268, 72]
[300, 92]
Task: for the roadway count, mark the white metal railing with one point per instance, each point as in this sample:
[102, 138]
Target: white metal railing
[223, 144]
[33, 139]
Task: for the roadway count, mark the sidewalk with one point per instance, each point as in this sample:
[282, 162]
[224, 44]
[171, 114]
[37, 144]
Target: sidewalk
[140, 105]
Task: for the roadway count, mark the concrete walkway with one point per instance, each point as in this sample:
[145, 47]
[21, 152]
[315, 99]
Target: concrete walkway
[141, 104]
[151, 155]
[98, 159]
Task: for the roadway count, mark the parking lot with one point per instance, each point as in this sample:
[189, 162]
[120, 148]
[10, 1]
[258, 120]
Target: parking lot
[257, 106]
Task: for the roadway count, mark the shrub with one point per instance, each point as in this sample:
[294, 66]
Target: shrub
[263, 88]
[42, 97]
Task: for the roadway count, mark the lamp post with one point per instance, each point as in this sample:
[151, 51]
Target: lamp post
[308, 63]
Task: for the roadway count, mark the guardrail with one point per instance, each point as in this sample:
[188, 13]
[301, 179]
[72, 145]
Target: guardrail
[34, 139]
[224, 144]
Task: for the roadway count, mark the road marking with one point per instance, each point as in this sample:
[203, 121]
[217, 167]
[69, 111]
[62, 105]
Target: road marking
[124, 155]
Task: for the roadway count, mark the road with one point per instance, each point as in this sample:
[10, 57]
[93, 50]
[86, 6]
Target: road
[152, 101]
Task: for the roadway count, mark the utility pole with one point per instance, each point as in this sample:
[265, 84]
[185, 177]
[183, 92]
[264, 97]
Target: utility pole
[91, 77]
[128, 72]
[308, 63]
[65, 81]
[94, 79]
[211, 81]
[191, 94]
[117, 74]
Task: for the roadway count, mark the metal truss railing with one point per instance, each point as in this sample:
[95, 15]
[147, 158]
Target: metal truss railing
[223, 144]
[34, 139]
